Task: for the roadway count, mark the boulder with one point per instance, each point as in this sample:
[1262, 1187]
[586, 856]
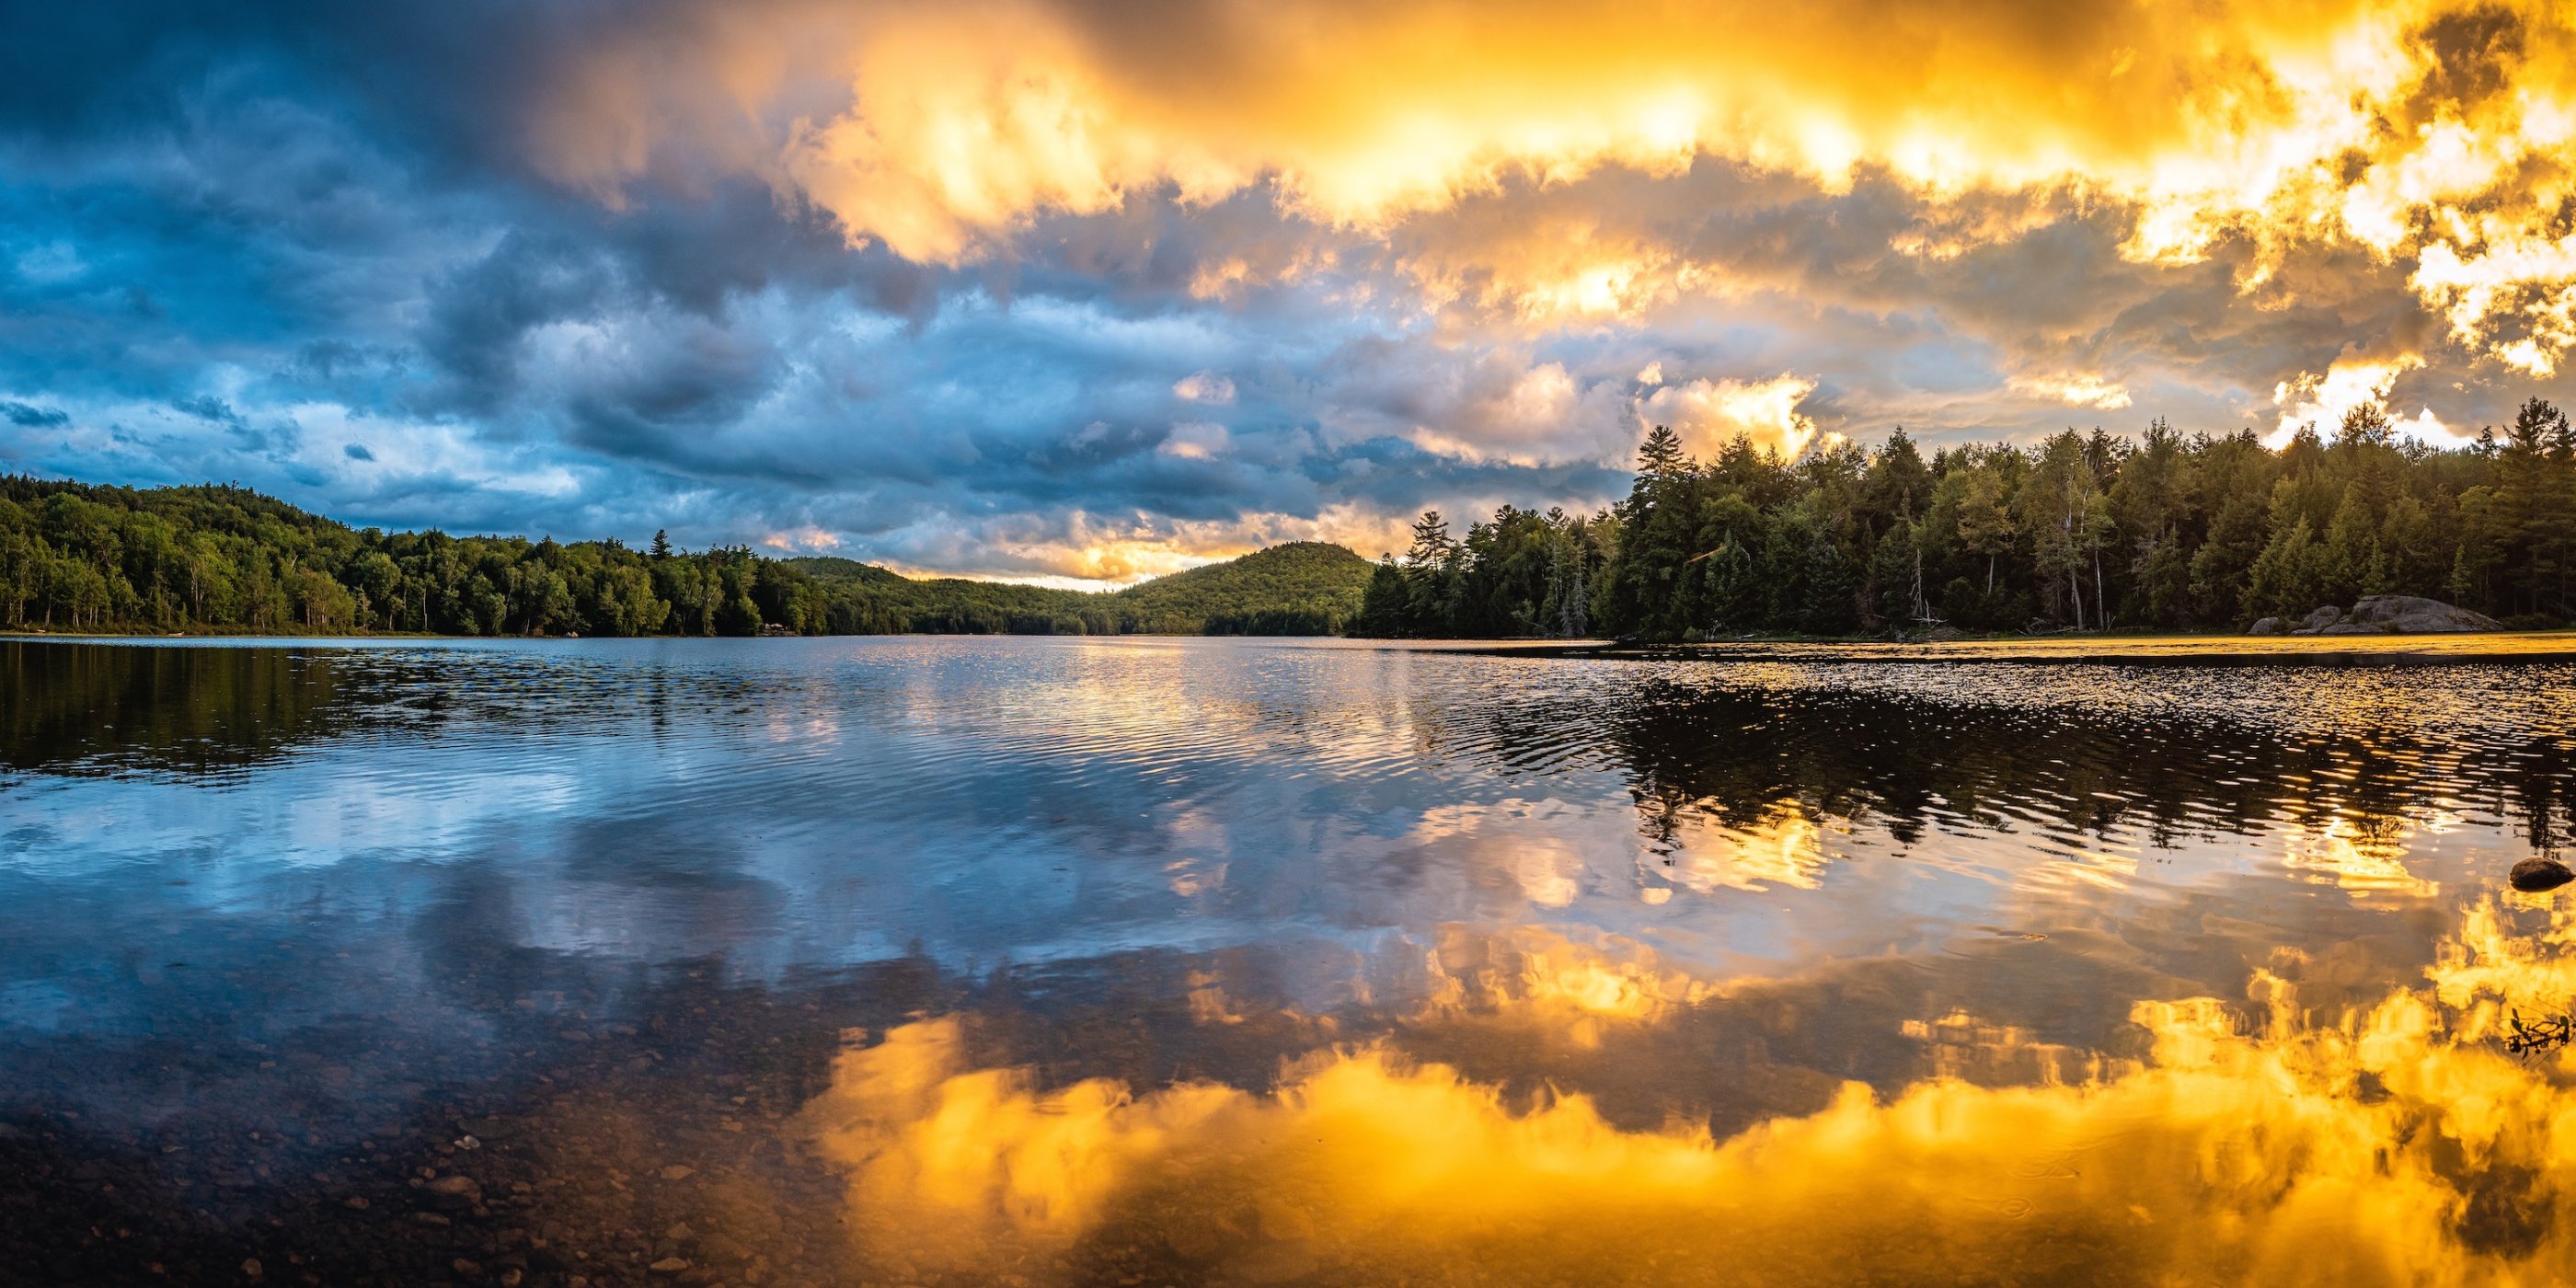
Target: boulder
[2316, 621]
[2268, 626]
[2415, 615]
[2351, 627]
[2540, 872]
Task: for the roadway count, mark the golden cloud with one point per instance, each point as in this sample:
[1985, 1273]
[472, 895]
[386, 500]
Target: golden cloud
[2430, 135]
[2319, 402]
[2075, 390]
[1708, 413]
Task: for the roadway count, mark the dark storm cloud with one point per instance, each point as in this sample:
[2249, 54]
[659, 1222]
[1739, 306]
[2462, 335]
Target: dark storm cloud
[34, 417]
[715, 356]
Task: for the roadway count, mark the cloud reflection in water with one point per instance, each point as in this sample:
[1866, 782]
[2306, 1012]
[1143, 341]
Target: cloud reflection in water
[2252, 1140]
[1629, 934]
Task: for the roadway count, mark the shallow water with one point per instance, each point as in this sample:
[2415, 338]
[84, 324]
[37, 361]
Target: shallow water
[1251, 961]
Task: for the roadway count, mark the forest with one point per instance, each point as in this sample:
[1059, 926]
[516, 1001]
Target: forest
[2163, 532]
[83, 558]
[2082, 531]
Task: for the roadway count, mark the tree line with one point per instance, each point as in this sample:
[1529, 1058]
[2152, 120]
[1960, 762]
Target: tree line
[2083, 531]
[86, 558]
[2164, 531]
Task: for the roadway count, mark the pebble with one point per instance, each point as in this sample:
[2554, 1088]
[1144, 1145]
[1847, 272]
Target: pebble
[668, 1266]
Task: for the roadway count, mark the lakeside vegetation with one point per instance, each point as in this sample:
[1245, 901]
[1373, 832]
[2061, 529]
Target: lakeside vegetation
[2091, 532]
[2165, 532]
[1300, 588]
[85, 558]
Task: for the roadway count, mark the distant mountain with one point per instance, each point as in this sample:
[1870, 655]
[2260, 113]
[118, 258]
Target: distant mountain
[1301, 588]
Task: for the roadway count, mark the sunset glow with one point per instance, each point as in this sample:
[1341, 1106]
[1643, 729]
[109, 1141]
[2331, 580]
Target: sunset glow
[977, 280]
[2231, 1146]
[1356, 642]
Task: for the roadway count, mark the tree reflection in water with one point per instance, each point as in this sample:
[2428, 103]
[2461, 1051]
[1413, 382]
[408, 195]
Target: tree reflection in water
[1165, 961]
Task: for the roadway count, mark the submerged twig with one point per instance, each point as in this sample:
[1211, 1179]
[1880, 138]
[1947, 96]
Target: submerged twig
[2547, 1034]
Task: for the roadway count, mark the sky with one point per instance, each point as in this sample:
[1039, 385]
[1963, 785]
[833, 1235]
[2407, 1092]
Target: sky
[1085, 291]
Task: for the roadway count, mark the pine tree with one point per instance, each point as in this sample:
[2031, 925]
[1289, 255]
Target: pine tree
[2352, 546]
[2366, 426]
[2288, 575]
[1986, 518]
[1660, 455]
[1431, 542]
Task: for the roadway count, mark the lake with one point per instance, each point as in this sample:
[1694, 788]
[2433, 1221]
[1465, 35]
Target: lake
[1152, 961]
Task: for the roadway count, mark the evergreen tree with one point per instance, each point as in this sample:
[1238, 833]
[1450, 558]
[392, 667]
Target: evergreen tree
[1985, 524]
[2086, 529]
[1660, 456]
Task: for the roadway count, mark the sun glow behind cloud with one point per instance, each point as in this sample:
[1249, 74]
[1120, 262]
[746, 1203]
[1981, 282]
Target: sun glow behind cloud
[1707, 413]
[946, 282]
[2320, 402]
[2429, 133]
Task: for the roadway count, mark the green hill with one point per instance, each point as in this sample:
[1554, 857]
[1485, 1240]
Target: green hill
[1302, 588]
[835, 568]
[89, 558]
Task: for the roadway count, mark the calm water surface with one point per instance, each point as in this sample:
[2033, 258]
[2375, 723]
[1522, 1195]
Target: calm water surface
[1164, 961]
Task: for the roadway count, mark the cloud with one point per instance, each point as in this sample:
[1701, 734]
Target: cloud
[25, 416]
[1160, 283]
[1203, 387]
[2074, 390]
[2320, 402]
[1195, 440]
[204, 407]
[1709, 413]
[2425, 132]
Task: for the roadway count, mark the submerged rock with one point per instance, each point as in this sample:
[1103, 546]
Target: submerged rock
[2540, 872]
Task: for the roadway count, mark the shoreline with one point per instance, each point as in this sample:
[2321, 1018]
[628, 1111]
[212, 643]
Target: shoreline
[2516, 648]
[2519, 648]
